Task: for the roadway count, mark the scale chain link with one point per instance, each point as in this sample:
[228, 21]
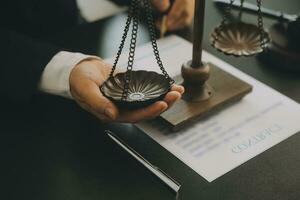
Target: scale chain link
[124, 36]
[134, 19]
[261, 26]
[227, 14]
[151, 27]
[241, 9]
[132, 48]
[263, 41]
[223, 22]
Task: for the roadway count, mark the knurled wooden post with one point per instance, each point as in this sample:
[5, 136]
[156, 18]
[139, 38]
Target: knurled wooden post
[195, 72]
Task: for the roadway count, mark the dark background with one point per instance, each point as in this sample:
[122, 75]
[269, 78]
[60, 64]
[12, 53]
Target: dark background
[51, 149]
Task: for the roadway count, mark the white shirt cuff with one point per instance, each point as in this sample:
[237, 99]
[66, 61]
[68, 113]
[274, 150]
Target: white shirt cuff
[55, 77]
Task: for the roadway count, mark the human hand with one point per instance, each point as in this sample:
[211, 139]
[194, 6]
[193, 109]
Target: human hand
[85, 80]
[180, 15]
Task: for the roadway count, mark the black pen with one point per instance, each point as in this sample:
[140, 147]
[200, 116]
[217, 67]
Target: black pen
[165, 178]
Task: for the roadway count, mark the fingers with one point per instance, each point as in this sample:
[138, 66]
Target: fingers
[89, 95]
[181, 14]
[153, 110]
[161, 5]
[142, 114]
[178, 88]
[172, 97]
[84, 86]
[174, 13]
[90, 98]
[178, 24]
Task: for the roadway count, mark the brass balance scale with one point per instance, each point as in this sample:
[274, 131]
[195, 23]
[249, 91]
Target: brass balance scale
[208, 88]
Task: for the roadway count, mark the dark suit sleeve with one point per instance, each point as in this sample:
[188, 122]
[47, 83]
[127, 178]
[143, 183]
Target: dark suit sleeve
[22, 60]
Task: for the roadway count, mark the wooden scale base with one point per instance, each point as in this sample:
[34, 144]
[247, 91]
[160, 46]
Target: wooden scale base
[221, 88]
[227, 89]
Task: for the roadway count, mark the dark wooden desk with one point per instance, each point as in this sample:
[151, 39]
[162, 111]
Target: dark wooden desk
[52, 149]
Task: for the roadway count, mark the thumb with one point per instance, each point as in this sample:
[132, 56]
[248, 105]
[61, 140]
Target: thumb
[161, 5]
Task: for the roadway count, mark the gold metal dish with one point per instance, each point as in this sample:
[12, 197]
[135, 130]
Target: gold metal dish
[239, 39]
[145, 88]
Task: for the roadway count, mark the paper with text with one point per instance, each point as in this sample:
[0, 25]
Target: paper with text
[220, 143]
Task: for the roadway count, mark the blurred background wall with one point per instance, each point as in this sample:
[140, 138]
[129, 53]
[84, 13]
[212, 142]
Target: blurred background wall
[93, 10]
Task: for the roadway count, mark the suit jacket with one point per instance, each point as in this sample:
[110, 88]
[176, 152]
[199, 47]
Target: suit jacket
[23, 55]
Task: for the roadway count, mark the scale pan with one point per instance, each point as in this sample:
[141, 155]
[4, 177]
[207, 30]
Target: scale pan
[145, 88]
[239, 39]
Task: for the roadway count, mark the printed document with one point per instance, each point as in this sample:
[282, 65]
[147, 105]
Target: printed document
[227, 139]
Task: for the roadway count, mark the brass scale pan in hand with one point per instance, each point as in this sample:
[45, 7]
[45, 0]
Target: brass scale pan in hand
[238, 38]
[135, 89]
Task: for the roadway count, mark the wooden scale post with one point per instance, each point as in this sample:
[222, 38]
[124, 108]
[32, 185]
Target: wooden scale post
[208, 88]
